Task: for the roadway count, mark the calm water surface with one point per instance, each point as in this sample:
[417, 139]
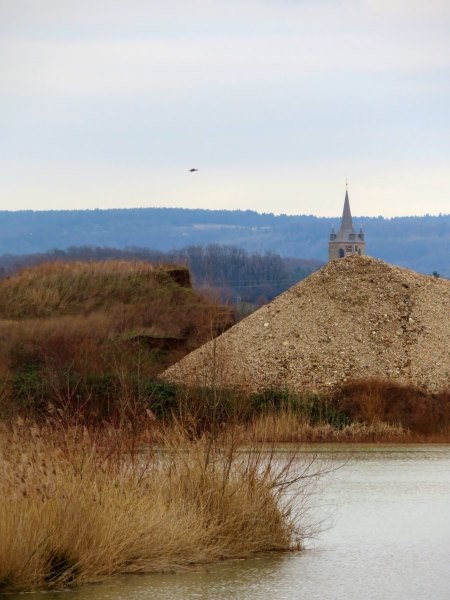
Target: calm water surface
[386, 515]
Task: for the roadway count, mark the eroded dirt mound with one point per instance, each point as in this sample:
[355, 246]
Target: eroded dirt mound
[357, 317]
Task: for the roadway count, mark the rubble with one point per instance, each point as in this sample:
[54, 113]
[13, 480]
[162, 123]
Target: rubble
[357, 317]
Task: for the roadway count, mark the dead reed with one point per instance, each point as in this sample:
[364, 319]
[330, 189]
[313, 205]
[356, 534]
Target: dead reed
[287, 426]
[79, 506]
[377, 411]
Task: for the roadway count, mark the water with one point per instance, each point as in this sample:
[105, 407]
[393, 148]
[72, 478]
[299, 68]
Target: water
[386, 514]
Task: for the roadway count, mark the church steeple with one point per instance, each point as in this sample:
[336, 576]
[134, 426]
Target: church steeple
[346, 241]
[346, 222]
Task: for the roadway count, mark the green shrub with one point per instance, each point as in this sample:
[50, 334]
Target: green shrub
[160, 397]
[314, 408]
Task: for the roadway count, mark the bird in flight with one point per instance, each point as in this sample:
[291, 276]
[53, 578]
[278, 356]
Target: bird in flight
[192, 170]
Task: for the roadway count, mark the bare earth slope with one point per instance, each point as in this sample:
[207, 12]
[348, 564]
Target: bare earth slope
[357, 317]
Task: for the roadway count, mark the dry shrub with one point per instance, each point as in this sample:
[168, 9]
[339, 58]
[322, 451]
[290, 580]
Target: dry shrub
[374, 400]
[78, 506]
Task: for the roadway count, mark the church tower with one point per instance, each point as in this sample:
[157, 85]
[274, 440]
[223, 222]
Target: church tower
[346, 241]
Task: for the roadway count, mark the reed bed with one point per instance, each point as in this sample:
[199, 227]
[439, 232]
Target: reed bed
[79, 506]
[290, 427]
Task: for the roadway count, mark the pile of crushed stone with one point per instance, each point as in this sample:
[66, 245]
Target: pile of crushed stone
[357, 317]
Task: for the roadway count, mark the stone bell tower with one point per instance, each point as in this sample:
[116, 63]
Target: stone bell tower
[346, 241]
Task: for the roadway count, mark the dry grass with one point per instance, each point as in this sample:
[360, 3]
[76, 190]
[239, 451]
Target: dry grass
[62, 288]
[119, 294]
[290, 427]
[376, 411]
[86, 333]
[78, 506]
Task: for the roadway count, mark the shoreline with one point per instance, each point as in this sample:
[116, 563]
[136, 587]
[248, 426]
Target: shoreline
[85, 505]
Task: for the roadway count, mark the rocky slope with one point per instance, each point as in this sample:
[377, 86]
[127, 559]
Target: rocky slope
[357, 317]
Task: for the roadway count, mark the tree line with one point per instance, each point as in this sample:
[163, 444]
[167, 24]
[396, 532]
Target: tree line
[418, 243]
[236, 275]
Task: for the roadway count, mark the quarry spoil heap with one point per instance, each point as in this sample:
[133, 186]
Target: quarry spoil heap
[357, 317]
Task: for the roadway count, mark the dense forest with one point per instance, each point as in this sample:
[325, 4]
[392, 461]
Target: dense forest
[419, 243]
[236, 276]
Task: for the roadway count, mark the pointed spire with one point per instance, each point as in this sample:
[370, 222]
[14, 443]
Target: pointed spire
[346, 223]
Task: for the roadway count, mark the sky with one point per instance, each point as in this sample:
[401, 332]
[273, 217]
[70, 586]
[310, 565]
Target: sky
[106, 103]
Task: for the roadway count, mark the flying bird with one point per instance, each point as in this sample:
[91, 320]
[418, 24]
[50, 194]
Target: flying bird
[192, 170]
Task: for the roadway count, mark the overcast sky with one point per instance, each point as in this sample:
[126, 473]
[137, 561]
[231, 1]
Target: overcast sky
[109, 104]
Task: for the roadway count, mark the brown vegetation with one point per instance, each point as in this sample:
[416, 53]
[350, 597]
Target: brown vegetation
[85, 336]
[79, 506]
[236, 275]
[88, 339]
[376, 400]
[370, 410]
[113, 472]
[288, 427]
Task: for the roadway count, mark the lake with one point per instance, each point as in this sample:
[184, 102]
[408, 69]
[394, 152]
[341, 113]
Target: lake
[385, 533]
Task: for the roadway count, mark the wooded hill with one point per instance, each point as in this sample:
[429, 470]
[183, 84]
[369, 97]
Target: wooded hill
[419, 243]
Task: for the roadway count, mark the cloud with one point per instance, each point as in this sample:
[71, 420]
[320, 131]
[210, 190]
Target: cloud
[328, 86]
[98, 46]
[164, 66]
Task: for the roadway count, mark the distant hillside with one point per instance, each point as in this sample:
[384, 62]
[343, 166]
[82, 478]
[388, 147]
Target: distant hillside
[419, 243]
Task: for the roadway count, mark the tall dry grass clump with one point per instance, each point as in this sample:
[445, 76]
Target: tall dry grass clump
[79, 506]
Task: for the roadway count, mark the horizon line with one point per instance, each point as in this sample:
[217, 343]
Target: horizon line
[227, 210]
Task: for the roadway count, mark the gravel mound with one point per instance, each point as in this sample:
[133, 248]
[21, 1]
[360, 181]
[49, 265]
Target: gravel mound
[357, 317]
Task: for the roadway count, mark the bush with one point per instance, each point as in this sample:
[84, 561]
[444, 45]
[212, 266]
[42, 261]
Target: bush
[374, 400]
[160, 398]
[78, 505]
[314, 408]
